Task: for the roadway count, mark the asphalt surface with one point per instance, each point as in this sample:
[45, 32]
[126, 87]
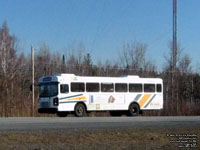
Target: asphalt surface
[49, 123]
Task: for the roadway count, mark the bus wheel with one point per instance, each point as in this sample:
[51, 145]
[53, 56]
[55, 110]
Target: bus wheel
[133, 110]
[62, 114]
[80, 110]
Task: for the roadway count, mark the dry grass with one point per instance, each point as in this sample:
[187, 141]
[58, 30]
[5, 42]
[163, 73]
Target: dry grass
[91, 139]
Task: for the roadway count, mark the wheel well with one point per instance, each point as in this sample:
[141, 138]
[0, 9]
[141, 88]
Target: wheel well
[81, 103]
[134, 103]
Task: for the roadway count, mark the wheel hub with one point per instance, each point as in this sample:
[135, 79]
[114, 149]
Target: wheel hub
[80, 110]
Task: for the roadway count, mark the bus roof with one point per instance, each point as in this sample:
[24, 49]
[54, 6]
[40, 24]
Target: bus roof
[73, 78]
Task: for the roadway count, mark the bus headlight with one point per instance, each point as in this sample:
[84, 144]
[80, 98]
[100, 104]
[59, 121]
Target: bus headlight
[55, 101]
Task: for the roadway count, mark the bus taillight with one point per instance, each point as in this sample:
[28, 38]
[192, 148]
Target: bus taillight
[55, 101]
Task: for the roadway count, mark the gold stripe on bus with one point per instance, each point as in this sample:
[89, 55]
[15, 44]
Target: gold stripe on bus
[144, 99]
[77, 98]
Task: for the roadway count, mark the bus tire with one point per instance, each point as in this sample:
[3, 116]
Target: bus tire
[134, 110]
[80, 110]
[62, 114]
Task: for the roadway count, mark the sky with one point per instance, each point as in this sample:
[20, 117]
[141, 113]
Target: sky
[103, 26]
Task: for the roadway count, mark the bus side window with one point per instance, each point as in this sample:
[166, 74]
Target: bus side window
[107, 87]
[136, 87]
[77, 87]
[149, 87]
[64, 88]
[158, 88]
[92, 87]
[120, 87]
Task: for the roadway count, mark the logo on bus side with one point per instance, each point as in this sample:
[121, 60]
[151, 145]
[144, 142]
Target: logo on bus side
[111, 99]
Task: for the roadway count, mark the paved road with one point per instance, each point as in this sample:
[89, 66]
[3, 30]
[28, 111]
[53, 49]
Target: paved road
[43, 123]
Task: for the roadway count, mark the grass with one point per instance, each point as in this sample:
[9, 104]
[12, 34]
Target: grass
[93, 139]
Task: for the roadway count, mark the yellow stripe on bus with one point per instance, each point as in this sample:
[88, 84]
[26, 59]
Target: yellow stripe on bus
[144, 99]
[77, 98]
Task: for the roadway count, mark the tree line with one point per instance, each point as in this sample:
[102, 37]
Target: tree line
[181, 86]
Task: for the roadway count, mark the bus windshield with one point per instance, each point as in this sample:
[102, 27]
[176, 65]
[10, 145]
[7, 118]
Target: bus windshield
[48, 89]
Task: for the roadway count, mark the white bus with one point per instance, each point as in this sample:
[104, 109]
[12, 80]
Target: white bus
[66, 93]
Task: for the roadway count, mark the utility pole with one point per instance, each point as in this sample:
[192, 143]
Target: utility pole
[33, 87]
[174, 53]
[174, 34]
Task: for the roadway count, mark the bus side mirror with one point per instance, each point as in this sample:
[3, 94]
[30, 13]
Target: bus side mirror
[31, 87]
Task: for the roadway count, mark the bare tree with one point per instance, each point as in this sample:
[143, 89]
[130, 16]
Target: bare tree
[177, 81]
[7, 62]
[185, 64]
[133, 58]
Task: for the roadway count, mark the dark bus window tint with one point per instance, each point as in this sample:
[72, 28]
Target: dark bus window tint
[120, 87]
[64, 88]
[107, 87]
[77, 87]
[135, 87]
[48, 89]
[149, 87]
[92, 87]
[159, 88]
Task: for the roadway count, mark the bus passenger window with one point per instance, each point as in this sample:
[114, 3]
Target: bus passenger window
[107, 87]
[135, 87]
[92, 87]
[158, 88]
[64, 88]
[77, 87]
[149, 87]
[120, 87]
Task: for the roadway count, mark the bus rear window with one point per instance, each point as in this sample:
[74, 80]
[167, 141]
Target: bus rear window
[158, 88]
